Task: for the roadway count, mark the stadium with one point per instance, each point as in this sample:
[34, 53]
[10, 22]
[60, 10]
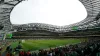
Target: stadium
[40, 39]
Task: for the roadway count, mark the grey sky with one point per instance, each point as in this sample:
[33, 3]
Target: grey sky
[55, 12]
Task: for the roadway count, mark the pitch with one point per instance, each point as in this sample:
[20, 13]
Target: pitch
[44, 43]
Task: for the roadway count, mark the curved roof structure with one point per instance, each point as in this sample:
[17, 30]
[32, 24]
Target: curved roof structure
[92, 20]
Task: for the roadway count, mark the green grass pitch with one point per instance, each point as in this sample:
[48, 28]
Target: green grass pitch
[44, 44]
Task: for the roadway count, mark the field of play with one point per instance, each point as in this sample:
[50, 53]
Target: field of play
[44, 43]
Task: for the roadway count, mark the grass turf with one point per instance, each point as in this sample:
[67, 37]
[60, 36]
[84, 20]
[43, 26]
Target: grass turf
[44, 44]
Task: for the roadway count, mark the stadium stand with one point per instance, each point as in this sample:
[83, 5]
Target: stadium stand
[90, 48]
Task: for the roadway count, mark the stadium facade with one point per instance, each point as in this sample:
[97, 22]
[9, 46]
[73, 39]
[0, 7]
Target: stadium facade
[87, 27]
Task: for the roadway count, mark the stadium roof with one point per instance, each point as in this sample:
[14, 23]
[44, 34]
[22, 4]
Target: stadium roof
[92, 19]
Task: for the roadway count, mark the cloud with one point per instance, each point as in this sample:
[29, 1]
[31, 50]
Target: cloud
[55, 12]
